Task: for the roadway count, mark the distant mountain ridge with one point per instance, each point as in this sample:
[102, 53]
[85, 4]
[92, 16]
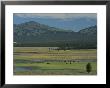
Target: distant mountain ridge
[39, 34]
[89, 30]
[36, 25]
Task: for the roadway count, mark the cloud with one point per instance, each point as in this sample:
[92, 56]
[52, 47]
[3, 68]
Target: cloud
[57, 15]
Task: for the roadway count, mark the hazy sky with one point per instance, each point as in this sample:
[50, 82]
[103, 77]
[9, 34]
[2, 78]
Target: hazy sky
[58, 15]
[67, 21]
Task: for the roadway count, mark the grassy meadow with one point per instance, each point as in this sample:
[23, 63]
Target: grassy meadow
[48, 61]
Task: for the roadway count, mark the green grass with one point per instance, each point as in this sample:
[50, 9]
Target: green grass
[27, 54]
[78, 68]
[58, 65]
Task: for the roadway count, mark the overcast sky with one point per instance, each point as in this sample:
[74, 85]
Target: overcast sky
[67, 21]
[58, 15]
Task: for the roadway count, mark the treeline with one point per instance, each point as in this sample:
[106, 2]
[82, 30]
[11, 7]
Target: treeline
[61, 45]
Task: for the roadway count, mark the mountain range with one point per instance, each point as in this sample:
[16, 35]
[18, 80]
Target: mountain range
[36, 34]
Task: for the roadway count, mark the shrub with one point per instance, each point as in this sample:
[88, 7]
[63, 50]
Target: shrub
[48, 63]
[89, 67]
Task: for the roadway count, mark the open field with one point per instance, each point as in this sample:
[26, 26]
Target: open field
[45, 61]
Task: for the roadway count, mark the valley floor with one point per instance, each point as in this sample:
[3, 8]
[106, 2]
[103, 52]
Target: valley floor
[48, 61]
